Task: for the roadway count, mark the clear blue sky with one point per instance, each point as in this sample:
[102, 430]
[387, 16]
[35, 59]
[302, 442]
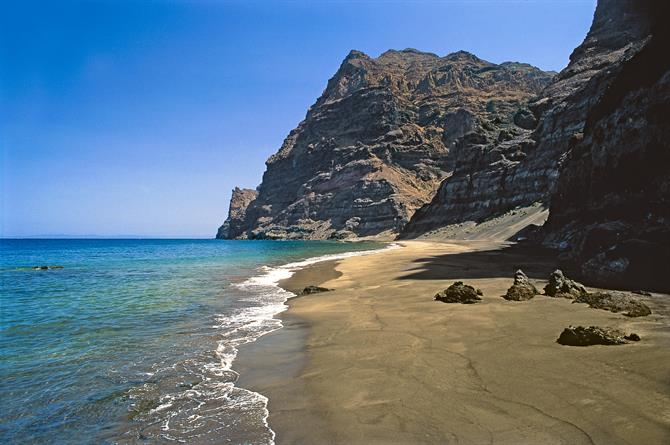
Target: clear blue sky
[139, 117]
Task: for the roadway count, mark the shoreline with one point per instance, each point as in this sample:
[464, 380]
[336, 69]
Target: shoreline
[377, 361]
[270, 280]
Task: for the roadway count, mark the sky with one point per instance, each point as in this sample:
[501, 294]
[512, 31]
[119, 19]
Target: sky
[137, 118]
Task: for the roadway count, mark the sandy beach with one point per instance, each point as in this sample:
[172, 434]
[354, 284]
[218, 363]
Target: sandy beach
[377, 361]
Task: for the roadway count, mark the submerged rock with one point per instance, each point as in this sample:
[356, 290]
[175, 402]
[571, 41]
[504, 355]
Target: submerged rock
[314, 290]
[615, 302]
[522, 289]
[561, 286]
[459, 293]
[142, 407]
[592, 335]
[46, 267]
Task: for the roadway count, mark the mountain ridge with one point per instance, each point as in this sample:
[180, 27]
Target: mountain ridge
[376, 144]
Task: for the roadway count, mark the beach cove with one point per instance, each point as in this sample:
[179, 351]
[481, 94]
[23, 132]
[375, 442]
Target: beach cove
[377, 360]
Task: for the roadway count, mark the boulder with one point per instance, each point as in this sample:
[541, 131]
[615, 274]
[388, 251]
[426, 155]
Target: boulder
[522, 289]
[633, 337]
[314, 290]
[561, 286]
[615, 302]
[525, 119]
[592, 335]
[459, 293]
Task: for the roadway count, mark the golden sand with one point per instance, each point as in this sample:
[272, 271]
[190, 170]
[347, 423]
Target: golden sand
[377, 361]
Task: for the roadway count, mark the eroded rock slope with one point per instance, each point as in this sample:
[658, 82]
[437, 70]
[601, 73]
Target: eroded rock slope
[381, 138]
[610, 213]
[494, 177]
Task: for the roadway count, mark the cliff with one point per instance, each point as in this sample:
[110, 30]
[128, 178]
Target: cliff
[381, 138]
[234, 226]
[414, 143]
[500, 176]
[610, 213]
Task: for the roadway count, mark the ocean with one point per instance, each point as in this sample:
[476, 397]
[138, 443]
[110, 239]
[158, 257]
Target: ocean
[134, 341]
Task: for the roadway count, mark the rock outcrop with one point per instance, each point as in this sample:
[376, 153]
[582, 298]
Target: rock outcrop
[311, 289]
[610, 213]
[235, 226]
[594, 335]
[615, 302]
[459, 293]
[383, 135]
[560, 286]
[522, 289]
[518, 171]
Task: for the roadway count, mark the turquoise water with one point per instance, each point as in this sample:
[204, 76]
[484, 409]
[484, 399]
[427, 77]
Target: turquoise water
[133, 341]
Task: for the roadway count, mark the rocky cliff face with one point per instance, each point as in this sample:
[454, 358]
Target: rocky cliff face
[498, 176]
[381, 138]
[474, 140]
[610, 213]
[234, 226]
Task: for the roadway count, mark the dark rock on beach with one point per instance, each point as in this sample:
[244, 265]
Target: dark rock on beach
[592, 335]
[459, 293]
[522, 289]
[314, 290]
[615, 302]
[561, 286]
[633, 337]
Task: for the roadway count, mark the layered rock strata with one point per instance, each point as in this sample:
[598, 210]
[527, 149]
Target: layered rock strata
[381, 138]
[500, 175]
[610, 213]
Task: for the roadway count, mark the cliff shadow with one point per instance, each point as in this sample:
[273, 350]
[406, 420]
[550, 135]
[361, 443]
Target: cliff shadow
[536, 262]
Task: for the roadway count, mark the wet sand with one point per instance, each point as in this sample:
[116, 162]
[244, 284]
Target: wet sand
[377, 361]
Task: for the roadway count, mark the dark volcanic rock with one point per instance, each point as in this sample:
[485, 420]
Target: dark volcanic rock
[615, 302]
[592, 335]
[459, 293]
[496, 177]
[610, 213]
[525, 119]
[234, 226]
[522, 289]
[380, 139]
[314, 290]
[633, 337]
[561, 286]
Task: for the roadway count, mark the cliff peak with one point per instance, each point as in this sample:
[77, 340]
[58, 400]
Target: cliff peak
[356, 54]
